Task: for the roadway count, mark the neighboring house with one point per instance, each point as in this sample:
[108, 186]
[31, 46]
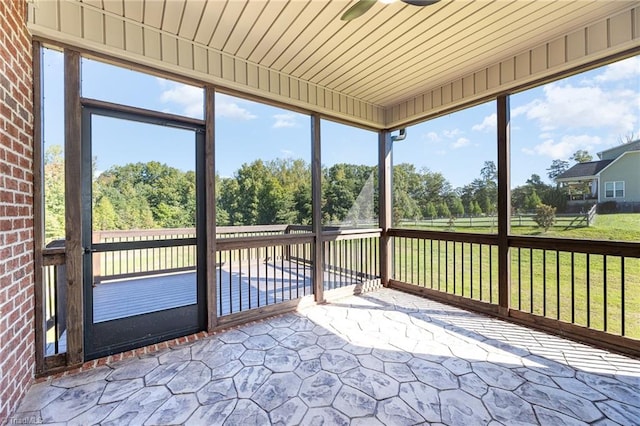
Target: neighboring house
[615, 177]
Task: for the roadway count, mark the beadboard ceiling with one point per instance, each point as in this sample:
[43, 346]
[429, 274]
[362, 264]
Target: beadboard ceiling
[391, 54]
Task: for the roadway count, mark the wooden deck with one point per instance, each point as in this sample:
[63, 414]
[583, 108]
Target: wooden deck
[240, 287]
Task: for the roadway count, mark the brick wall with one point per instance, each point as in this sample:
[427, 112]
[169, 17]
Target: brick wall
[16, 207]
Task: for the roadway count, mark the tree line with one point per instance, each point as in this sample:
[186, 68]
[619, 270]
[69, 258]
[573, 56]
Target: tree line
[155, 195]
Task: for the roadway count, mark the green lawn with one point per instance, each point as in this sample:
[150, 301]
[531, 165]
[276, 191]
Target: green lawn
[583, 289]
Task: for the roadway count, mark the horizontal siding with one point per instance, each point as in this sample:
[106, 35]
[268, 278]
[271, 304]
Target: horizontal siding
[608, 37]
[111, 34]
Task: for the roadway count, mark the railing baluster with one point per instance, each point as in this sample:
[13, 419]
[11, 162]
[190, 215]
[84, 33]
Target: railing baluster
[588, 291]
[557, 285]
[622, 297]
[604, 288]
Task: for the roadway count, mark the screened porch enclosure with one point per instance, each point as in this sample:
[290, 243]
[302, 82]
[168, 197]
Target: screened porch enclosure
[260, 229]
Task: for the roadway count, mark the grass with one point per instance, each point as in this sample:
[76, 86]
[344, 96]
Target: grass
[585, 290]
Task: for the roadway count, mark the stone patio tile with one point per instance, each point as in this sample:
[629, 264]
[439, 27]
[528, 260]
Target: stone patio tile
[249, 379]
[276, 390]
[39, 395]
[289, 413]
[280, 333]
[495, 375]
[133, 369]
[218, 390]
[508, 408]
[73, 402]
[190, 379]
[473, 384]
[422, 398]
[433, 374]
[164, 373]
[308, 368]
[252, 357]
[310, 352]
[261, 342]
[612, 388]
[620, 412]
[181, 354]
[93, 415]
[559, 400]
[399, 371]
[338, 361]
[224, 353]
[83, 377]
[247, 412]
[213, 414]
[175, 410]
[366, 421]
[579, 388]
[375, 384]
[552, 417]
[320, 389]
[354, 403]
[120, 389]
[138, 407]
[227, 370]
[396, 411]
[370, 362]
[281, 359]
[299, 341]
[458, 408]
[325, 416]
[233, 336]
[257, 328]
[331, 341]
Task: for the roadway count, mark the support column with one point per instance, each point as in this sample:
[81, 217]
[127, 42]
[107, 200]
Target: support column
[210, 207]
[385, 174]
[504, 205]
[316, 202]
[73, 207]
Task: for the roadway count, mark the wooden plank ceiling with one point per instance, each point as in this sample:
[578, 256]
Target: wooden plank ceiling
[392, 53]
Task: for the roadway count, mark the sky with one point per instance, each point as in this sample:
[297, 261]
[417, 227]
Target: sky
[590, 111]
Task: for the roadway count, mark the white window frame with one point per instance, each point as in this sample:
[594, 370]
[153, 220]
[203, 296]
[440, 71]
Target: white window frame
[613, 187]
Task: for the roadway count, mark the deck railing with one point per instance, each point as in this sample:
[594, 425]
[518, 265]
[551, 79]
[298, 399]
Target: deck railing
[590, 286]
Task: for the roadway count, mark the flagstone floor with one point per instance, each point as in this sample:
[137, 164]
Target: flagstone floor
[385, 357]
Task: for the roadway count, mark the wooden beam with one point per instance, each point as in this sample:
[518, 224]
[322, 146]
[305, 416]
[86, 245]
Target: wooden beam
[38, 208]
[73, 207]
[385, 171]
[316, 202]
[210, 203]
[504, 204]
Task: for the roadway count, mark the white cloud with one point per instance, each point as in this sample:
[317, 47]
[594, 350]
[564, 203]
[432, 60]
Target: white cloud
[451, 134]
[189, 98]
[229, 107]
[489, 123]
[461, 142]
[568, 106]
[284, 120]
[564, 148]
[287, 153]
[621, 70]
[432, 137]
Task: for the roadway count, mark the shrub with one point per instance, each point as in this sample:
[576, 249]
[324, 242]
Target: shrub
[545, 216]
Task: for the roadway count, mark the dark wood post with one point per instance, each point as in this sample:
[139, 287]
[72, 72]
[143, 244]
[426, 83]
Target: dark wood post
[504, 205]
[210, 207]
[73, 207]
[385, 172]
[316, 201]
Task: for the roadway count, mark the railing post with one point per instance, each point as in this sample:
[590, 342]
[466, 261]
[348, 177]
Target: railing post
[210, 208]
[504, 205]
[316, 201]
[385, 171]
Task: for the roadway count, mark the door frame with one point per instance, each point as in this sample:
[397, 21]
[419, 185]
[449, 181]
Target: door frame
[109, 337]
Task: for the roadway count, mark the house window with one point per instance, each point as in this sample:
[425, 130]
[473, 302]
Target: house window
[614, 189]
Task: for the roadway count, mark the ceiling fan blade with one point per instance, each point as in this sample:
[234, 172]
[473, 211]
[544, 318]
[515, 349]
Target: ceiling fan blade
[358, 9]
[421, 2]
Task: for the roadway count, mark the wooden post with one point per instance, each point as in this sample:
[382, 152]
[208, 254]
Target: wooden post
[73, 207]
[504, 205]
[210, 200]
[316, 202]
[385, 171]
[38, 209]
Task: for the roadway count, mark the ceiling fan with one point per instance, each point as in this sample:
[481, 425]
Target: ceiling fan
[361, 7]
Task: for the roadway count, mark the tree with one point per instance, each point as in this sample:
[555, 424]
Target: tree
[430, 211]
[545, 216]
[557, 168]
[532, 201]
[456, 207]
[581, 156]
[54, 193]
